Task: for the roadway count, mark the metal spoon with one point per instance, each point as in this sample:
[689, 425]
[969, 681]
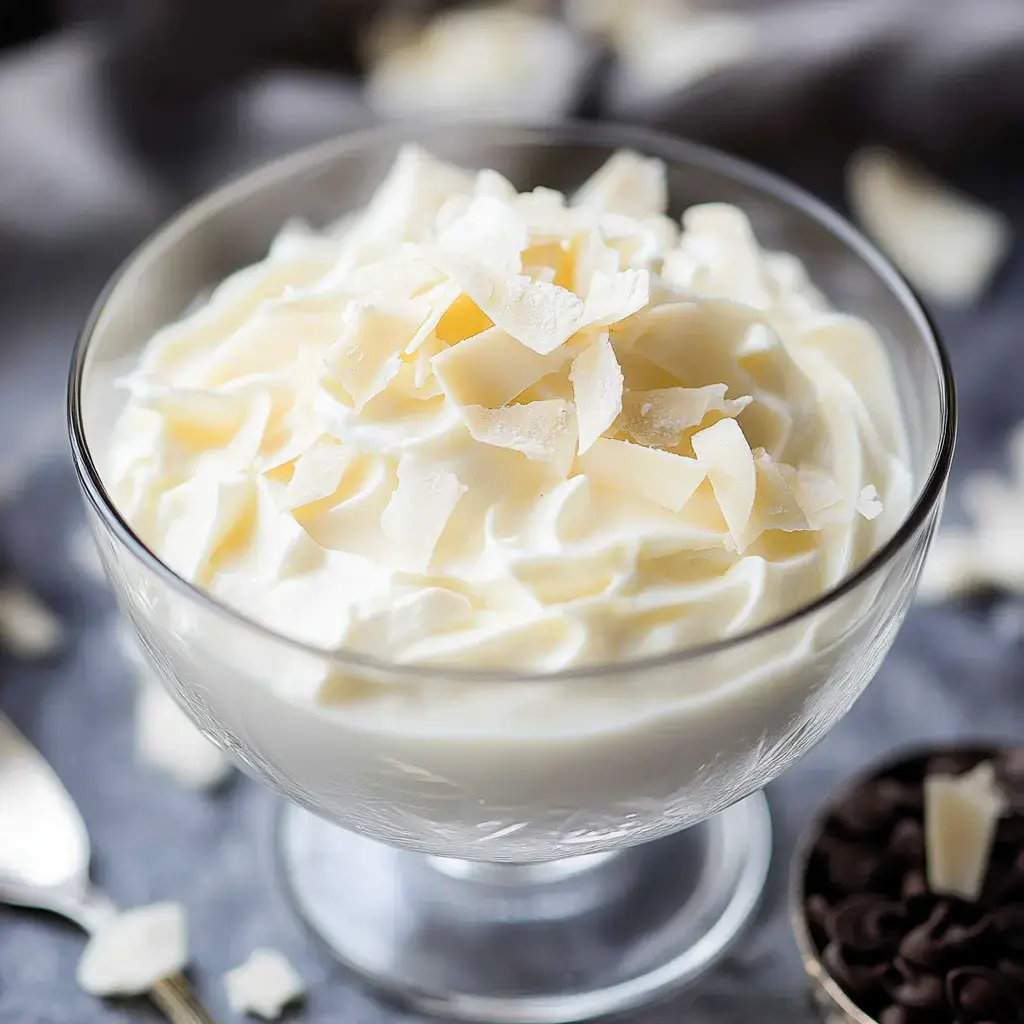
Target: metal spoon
[44, 859]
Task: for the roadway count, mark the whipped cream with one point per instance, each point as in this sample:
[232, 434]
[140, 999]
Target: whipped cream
[478, 427]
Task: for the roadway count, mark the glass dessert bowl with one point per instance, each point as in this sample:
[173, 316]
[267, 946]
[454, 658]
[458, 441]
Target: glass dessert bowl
[515, 846]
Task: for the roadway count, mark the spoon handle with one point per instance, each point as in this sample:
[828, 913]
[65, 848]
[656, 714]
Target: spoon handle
[177, 1000]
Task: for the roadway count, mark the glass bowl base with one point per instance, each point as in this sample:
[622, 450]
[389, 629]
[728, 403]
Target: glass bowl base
[546, 943]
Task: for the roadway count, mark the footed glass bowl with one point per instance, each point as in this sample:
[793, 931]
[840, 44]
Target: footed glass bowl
[489, 845]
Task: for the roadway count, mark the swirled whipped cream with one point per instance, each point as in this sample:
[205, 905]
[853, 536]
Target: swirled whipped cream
[513, 430]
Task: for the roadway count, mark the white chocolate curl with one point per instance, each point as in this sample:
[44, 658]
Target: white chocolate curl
[474, 426]
[961, 814]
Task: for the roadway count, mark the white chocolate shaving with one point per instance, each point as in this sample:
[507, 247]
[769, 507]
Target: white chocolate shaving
[670, 480]
[627, 183]
[775, 505]
[418, 511]
[264, 985]
[487, 237]
[543, 431]
[725, 456]
[368, 353]
[404, 207]
[492, 368]
[961, 814]
[481, 253]
[539, 314]
[869, 504]
[317, 474]
[817, 493]
[198, 515]
[661, 417]
[612, 298]
[948, 244]
[597, 390]
[134, 950]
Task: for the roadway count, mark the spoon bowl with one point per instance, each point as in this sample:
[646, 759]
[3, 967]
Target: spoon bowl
[45, 855]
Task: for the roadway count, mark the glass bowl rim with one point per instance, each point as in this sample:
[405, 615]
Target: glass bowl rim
[594, 133]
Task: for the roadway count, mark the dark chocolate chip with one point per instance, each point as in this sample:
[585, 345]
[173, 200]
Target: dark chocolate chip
[893, 1015]
[1011, 828]
[865, 983]
[901, 797]
[919, 992]
[866, 925]
[818, 912]
[1011, 767]
[980, 993]
[849, 867]
[920, 946]
[942, 943]
[817, 909]
[1013, 971]
[918, 902]
[906, 842]
[1008, 922]
[865, 812]
[914, 885]
[968, 943]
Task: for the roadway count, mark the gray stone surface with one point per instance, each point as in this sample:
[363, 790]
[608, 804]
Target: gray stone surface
[955, 671]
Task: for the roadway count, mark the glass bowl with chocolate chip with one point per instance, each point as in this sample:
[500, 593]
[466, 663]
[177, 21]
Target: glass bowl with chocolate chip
[908, 892]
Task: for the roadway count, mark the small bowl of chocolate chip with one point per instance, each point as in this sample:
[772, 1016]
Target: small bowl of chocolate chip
[908, 892]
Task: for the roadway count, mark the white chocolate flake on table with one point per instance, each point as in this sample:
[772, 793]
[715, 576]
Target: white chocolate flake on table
[264, 985]
[988, 552]
[398, 434]
[948, 244]
[681, 54]
[952, 568]
[134, 950]
[28, 629]
[166, 738]
[663, 46]
[491, 59]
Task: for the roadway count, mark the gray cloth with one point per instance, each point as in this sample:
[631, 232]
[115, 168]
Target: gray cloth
[71, 205]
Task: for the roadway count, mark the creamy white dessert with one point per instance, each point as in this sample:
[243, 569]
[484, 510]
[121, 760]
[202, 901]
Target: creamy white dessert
[518, 433]
[485, 428]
